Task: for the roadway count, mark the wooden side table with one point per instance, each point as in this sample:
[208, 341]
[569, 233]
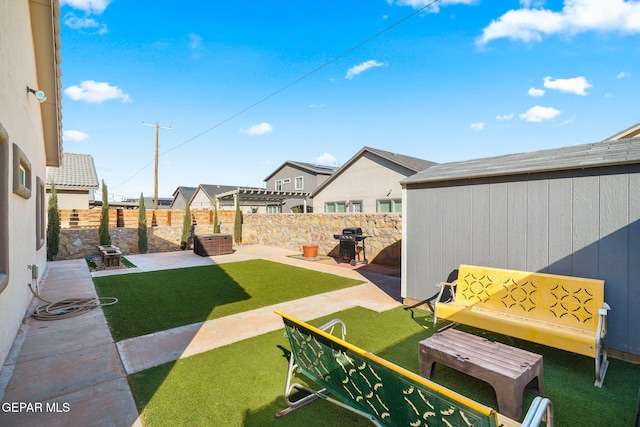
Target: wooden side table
[507, 369]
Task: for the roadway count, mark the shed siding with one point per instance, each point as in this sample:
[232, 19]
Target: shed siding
[581, 223]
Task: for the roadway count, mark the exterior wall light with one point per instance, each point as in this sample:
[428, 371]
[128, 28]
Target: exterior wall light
[38, 93]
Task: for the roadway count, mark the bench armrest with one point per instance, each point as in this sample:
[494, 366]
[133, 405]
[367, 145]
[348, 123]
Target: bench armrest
[443, 286]
[602, 362]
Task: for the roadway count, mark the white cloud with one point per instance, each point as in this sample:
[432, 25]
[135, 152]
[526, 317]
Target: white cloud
[88, 6]
[505, 117]
[536, 92]
[577, 16]
[435, 7]
[361, 68]
[259, 129]
[622, 75]
[195, 41]
[325, 159]
[477, 126]
[538, 114]
[76, 23]
[93, 92]
[576, 85]
[74, 135]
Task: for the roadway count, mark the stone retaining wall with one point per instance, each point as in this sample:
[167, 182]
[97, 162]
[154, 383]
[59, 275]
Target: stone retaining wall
[288, 231]
[292, 231]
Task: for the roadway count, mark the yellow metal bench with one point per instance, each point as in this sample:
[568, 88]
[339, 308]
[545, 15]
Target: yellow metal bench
[568, 313]
[378, 390]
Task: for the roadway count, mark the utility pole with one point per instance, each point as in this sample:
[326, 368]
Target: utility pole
[155, 181]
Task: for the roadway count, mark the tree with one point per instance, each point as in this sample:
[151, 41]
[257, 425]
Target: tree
[103, 231]
[142, 227]
[186, 228]
[216, 224]
[237, 223]
[53, 225]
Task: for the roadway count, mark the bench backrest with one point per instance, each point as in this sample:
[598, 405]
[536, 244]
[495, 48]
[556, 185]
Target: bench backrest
[393, 395]
[572, 301]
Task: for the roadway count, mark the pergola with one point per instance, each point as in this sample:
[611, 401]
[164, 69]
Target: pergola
[259, 196]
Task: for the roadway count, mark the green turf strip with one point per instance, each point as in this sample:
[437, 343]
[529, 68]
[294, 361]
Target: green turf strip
[242, 384]
[160, 300]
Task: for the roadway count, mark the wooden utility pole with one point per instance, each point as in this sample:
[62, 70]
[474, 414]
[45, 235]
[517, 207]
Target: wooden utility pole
[155, 181]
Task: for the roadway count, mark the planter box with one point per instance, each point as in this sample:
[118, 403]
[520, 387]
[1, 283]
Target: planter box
[213, 244]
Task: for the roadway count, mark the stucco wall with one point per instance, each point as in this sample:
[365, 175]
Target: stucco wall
[20, 115]
[367, 180]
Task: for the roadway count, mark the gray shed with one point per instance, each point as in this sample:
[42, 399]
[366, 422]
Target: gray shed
[571, 211]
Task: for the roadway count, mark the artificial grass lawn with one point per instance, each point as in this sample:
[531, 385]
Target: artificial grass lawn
[160, 300]
[242, 384]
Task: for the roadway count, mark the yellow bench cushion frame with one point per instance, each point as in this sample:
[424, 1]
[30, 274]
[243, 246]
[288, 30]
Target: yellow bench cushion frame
[563, 312]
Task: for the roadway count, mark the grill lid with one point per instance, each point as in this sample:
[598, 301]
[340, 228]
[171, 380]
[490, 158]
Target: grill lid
[352, 230]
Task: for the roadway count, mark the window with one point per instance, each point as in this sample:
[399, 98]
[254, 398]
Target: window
[333, 207]
[356, 207]
[279, 185]
[299, 183]
[390, 205]
[21, 173]
[274, 209]
[4, 208]
[40, 213]
[286, 181]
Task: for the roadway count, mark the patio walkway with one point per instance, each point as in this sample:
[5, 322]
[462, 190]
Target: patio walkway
[75, 371]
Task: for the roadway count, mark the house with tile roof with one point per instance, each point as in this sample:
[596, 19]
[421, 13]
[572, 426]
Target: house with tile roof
[75, 180]
[571, 211]
[30, 140]
[368, 182]
[297, 177]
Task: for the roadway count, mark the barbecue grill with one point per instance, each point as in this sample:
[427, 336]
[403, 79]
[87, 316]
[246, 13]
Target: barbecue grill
[350, 246]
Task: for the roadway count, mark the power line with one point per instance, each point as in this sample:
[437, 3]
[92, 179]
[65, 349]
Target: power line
[292, 83]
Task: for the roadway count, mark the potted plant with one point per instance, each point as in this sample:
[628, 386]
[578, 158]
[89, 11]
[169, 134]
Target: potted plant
[310, 251]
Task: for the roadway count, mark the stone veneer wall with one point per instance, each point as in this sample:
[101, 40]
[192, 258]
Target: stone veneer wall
[77, 243]
[292, 231]
[288, 231]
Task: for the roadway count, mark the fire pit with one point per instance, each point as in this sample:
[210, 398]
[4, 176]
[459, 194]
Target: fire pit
[351, 244]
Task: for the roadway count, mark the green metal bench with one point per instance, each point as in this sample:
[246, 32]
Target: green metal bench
[378, 390]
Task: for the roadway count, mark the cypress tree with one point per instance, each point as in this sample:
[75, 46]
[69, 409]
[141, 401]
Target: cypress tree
[53, 225]
[142, 227]
[237, 223]
[186, 228]
[103, 231]
[216, 224]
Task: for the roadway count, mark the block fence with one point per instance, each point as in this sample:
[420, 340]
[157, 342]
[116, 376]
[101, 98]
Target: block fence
[79, 236]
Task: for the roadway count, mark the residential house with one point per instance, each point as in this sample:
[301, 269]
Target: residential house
[181, 197]
[30, 140]
[204, 197]
[571, 211]
[75, 180]
[630, 132]
[368, 182]
[297, 177]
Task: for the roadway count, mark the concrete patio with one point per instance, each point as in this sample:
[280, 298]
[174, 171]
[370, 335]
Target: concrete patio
[70, 372]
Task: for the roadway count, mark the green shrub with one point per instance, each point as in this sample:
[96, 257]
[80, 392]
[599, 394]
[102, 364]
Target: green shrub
[103, 231]
[53, 225]
[142, 227]
[216, 224]
[186, 229]
[237, 223]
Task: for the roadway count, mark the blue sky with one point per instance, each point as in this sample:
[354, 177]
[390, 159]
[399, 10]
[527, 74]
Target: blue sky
[246, 85]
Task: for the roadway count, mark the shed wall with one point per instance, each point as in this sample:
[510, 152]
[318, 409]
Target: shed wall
[582, 223]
